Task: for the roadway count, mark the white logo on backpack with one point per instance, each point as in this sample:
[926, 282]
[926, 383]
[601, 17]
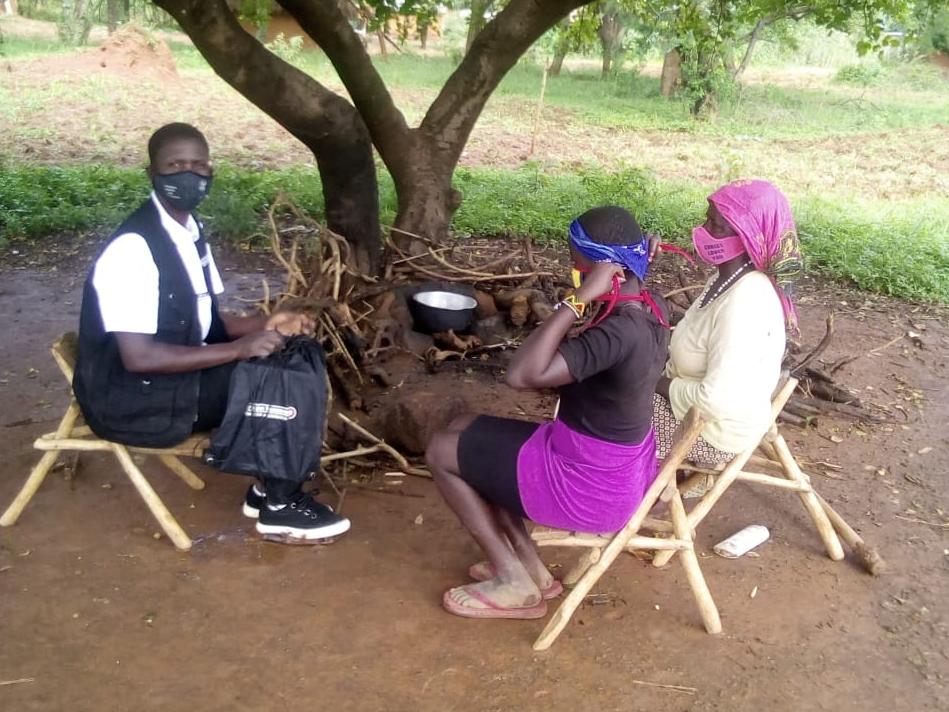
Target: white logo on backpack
[268, 410]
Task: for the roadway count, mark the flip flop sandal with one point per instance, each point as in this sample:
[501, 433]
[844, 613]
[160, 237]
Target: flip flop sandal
[493, 610]
[477, 573]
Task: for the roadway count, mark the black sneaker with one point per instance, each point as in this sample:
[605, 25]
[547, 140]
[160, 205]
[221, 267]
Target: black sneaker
[303, 520]
[254, 501]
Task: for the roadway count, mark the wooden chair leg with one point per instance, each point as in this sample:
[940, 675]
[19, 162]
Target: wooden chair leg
[813, 506]
[586, 560]
[572, 602]
[183, 471]
[704, 506]
[690, 563]
[158, 509]
[40, 470]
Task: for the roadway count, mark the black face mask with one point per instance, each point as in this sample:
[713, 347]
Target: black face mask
[184, 190]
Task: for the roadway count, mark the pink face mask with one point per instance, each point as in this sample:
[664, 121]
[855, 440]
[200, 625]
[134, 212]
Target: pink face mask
[716, 250]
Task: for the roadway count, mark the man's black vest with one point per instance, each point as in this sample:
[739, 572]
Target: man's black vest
[144, 409]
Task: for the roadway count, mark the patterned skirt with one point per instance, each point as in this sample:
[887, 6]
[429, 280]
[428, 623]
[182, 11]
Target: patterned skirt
[665, 424]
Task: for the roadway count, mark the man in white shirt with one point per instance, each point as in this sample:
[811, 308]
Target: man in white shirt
[155, 354]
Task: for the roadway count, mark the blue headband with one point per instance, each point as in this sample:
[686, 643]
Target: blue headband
[634, 258]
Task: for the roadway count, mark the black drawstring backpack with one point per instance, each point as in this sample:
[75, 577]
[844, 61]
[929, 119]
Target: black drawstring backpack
[276, 415]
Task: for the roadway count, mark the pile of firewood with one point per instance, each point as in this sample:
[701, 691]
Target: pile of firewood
[360, 317]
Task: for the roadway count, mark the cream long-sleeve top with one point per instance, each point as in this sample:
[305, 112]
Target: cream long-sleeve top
[725, 359]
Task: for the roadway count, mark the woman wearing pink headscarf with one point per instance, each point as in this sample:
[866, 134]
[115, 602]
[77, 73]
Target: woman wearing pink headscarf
[725, 355]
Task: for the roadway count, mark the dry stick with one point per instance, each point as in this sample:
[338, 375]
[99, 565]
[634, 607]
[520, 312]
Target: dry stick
[872, 352]
[675, 688]
[266, 307]
[494, 263]
[828, 407]
[449, 265]
[292, 269]
[819, 349]
[352, 397]
[792, 419]
[491, 278]
[682, 290]
[4, 683]
[358, 452]
[337, 339]
[888, 344]
[416, 257]
[938, 525]
[868, 556]
[538, 112]
[396, 455]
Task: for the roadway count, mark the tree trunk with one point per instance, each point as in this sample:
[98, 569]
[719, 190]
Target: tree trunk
[671, 77]
[323, 121]
[423, 35]
[476, 20]
[609, 33]
[422, 160]
[8, 7]
[75, 25]
[749, 51]
[561, 48]
[427, 200]
[381, 36]
[113, 10]
[556, 62]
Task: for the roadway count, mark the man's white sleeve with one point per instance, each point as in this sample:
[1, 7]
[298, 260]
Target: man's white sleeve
[216, 286]
[126, 282]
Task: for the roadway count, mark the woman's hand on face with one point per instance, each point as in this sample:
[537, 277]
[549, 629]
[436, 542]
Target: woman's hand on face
[654, 241]
[599, 281]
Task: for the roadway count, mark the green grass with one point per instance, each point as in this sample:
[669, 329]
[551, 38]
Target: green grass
[633, 101]
[902, 250]
[15, 47]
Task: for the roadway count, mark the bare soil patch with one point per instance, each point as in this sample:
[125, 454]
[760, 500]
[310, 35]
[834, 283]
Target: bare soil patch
[91, 603]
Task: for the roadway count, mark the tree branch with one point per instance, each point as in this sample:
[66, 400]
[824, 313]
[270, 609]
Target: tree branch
[295, 100]
[324, 21]
[496, 49]
[749, 50]
[321, 119]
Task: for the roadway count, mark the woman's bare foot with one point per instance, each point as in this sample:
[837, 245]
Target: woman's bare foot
[484, 571]
[493, 595]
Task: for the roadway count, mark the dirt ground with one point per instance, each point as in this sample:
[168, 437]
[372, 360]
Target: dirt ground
[96, 614]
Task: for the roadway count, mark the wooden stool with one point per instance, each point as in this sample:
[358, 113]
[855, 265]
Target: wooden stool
[70, 437]
[783, 473]
[603, 550]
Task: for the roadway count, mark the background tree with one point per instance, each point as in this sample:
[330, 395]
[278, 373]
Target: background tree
[706, 33]
[75, 22]
[477, 19]
[610, 33]
[257, 13]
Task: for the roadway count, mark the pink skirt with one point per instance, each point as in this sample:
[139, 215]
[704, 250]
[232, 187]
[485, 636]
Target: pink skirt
[573, 481]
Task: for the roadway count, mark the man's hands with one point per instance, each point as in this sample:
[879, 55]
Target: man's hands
[289, 323]
[258, 344]
[599, 281]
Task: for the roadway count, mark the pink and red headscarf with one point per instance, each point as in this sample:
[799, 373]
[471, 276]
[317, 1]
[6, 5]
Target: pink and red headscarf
[762, 218]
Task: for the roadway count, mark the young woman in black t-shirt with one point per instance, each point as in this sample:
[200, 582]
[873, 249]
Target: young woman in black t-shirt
[588, 469]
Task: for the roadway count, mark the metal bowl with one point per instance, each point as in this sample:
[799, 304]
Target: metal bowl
[437, 310]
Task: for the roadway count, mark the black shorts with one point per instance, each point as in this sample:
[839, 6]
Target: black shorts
[487, 458]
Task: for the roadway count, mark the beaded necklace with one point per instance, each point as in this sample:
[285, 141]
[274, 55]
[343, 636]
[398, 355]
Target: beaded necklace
[726, 284]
